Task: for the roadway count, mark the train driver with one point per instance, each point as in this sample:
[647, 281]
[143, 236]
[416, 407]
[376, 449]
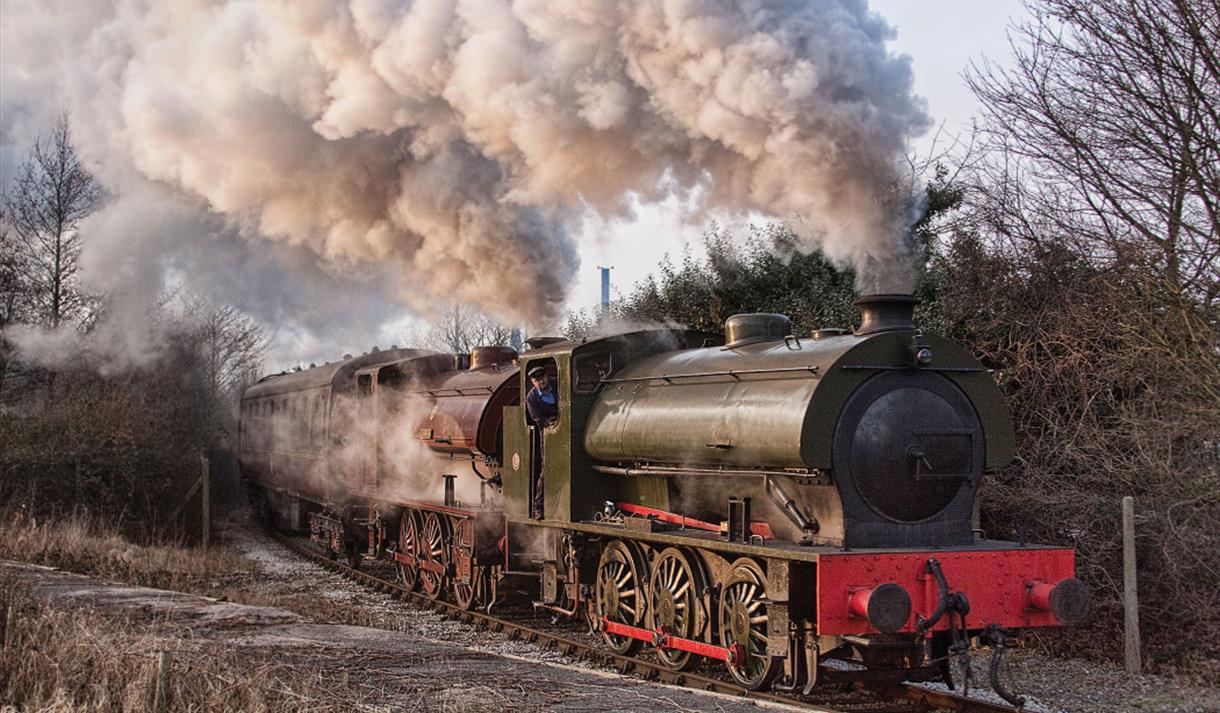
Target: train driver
[542, 405]
[542, 402]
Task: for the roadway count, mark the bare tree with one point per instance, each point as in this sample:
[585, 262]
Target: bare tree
[460, 329]
[12, 293]
[50, 195]
[1108, 130]
[232, 344]
[1089, 279]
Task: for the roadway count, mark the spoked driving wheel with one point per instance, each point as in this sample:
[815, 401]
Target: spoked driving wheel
[618, 596]
[673, 591]
[408, 545]
[473, 594]
[743, 622]
[433, 540]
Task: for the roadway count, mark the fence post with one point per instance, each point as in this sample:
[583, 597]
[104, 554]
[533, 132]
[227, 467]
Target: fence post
[205, 496]
[1131, 612]
[161, 696]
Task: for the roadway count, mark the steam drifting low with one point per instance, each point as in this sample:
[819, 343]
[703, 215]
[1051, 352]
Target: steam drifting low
[461, 141]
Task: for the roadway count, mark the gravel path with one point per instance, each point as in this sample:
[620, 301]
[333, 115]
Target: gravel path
[1079, 686]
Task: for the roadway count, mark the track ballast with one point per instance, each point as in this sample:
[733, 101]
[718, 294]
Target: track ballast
[903, 698]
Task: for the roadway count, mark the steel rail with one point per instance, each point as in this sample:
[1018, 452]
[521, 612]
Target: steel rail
[922, 699]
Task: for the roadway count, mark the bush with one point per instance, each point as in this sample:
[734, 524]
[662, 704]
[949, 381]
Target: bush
[124, 446]
[1114, 384]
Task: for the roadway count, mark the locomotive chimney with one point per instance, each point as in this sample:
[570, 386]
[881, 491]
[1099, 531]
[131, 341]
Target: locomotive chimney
[886, 313]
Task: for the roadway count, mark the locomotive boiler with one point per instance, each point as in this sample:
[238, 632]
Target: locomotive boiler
[768, 500]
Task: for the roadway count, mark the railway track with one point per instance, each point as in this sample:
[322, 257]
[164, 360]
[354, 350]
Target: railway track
[904, 698]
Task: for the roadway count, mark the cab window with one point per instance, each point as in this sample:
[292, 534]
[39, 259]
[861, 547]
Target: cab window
[552, 372]
[589, 370]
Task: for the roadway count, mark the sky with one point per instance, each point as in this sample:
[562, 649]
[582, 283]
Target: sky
[941, 37]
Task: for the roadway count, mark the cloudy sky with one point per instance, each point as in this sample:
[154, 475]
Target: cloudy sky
[336, 177]
[941, 36]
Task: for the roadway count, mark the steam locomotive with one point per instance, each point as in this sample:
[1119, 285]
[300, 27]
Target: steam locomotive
[770, 501]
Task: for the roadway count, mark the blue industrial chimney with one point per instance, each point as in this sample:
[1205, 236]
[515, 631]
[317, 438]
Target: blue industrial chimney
[605, 287]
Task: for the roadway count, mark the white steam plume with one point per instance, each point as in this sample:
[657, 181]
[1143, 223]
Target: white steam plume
[457, 141]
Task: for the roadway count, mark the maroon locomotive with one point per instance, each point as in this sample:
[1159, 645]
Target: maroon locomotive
[767, 500]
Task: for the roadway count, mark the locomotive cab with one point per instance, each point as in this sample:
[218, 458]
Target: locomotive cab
[578, 371]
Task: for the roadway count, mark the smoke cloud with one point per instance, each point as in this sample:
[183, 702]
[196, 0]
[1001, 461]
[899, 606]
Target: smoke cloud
[454, 144]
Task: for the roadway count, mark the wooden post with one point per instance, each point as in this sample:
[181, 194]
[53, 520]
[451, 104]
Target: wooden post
[161, 694]
[205, 496]
[1131, 612]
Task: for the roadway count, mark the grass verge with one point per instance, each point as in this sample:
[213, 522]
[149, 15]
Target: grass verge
[69, 659]
[89, 545]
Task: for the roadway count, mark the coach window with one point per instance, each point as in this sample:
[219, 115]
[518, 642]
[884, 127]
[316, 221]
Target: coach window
[319, 431]
[306, 417]
[299, 424]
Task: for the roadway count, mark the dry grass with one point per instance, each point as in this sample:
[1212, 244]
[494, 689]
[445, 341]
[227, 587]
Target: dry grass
[89, 545]
[57, 659]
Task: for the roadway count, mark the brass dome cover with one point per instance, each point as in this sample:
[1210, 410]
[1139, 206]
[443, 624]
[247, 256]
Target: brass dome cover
[487, 356]
[743, 329]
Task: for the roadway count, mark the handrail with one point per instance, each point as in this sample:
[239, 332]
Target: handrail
[735, 373]
[668, 471]
[468, 391]
[908, 367]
